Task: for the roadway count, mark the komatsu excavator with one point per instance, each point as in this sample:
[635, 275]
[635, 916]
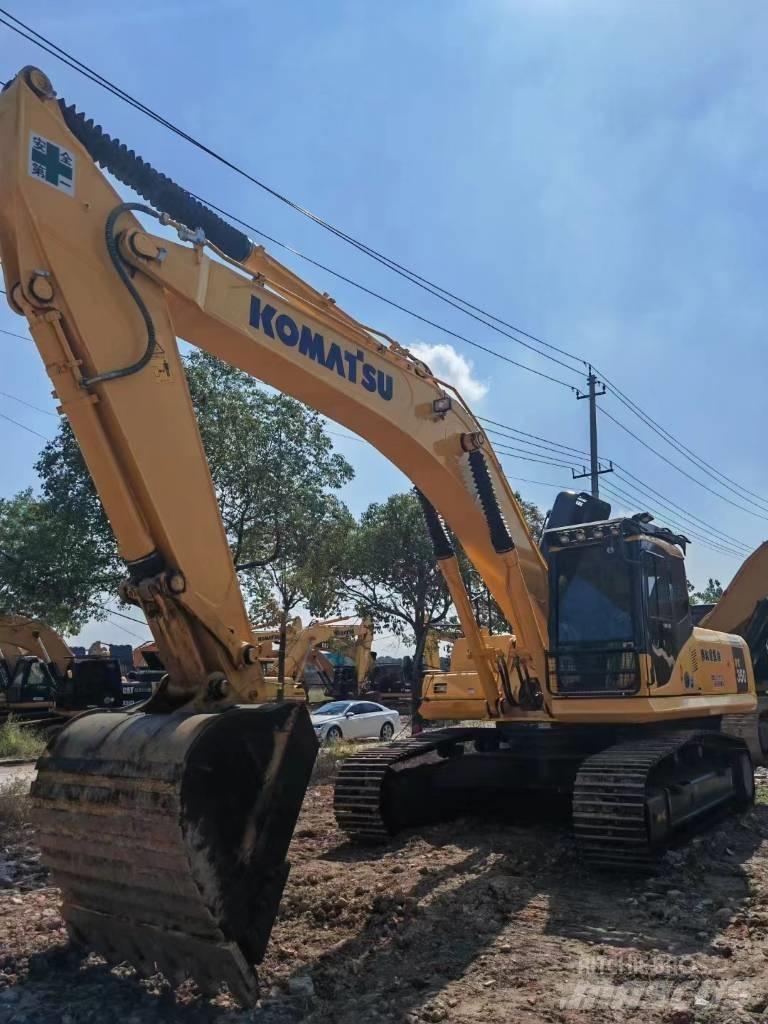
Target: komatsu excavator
[40, 675]
[167, 828]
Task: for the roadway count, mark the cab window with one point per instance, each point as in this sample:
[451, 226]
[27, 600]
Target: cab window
[37, 685]
[669, 614]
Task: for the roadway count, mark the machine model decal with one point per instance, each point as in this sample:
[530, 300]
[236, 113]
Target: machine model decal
[350, 366]
[52, 164]
[711, 654]
[740, 668]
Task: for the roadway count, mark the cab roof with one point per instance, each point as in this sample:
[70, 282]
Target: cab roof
[622, 526]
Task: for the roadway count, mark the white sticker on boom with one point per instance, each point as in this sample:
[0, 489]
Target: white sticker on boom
[52, 164]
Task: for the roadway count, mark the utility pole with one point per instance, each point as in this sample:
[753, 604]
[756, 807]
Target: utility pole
[595, 469]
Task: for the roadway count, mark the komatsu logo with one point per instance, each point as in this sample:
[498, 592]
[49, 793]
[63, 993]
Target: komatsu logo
[350, 366]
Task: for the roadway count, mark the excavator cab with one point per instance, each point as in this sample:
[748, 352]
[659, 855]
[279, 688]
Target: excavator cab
[28, 683]
[619, 611]
[85, 683]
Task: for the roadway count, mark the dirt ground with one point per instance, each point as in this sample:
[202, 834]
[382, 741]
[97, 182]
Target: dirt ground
[467, 922]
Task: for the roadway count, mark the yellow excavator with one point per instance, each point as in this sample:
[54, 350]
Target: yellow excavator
[167, 828]
[42, 680]
[743, 609]
[303, 649]
[342, 659]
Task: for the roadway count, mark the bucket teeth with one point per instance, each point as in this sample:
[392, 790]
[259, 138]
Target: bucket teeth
[168, 835]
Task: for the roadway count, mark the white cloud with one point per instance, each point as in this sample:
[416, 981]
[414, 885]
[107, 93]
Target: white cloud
[448, 364]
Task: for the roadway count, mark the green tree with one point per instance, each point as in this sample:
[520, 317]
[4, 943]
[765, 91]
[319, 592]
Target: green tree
[272, 465]
[45, 560]
[305, 570]
[391, 573]
[711, 594]
[270, 456]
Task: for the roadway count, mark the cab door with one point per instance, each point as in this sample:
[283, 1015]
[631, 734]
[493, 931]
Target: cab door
[668, 611]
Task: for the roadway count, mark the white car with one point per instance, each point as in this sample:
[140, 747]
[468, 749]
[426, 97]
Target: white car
[354, 720]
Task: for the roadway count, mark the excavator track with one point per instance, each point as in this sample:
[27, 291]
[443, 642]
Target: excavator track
[360, 794]
[630, 798]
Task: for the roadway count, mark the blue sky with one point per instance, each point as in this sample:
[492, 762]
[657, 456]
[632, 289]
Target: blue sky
[593, 172]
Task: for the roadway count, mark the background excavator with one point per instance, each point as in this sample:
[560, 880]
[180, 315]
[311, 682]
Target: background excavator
[324, 648]
[604, 689]
[342, 660]
[43, 681]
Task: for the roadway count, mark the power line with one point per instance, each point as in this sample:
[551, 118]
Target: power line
[122, 615]
[673, 521]
[531, 458]
[685, 473]
[682, 449]
[29, 405]
[436, 290]
[524, 433]
[540, 483]
[429, 286]
[531, 444]
[505, 449]
[23, 426]
[377, 295]
[11, 334]
[119, 625]
[457, 302]
[660, 499]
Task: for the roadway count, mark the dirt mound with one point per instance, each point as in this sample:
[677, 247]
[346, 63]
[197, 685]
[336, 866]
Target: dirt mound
[467, 922]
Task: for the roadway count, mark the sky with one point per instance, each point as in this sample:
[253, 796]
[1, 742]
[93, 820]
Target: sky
[592, 172]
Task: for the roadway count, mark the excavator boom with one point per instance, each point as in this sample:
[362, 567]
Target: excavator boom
[207, 778]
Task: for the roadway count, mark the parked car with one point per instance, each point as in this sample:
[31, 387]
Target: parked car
[354, 720]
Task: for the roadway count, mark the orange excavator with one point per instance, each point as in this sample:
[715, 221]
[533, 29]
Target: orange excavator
[167, 827]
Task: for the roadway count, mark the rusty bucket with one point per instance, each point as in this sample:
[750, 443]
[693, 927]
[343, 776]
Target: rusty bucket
[168, 835]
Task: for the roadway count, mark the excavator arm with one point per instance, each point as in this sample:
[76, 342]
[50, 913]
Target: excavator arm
[34, 637]
[191, 859]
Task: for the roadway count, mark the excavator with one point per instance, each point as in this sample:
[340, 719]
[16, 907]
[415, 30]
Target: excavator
[303, 648]
[743, 610]
[342, 658]
[167, 827]
[42, 680]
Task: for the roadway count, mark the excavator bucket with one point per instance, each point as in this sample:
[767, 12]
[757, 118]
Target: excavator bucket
[168, 835]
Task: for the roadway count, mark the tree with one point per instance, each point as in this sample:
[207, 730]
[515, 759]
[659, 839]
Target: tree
[305, 569]
[268, 455]
[711, 594]
[392, 576]
[44, 560]
[272, 464]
